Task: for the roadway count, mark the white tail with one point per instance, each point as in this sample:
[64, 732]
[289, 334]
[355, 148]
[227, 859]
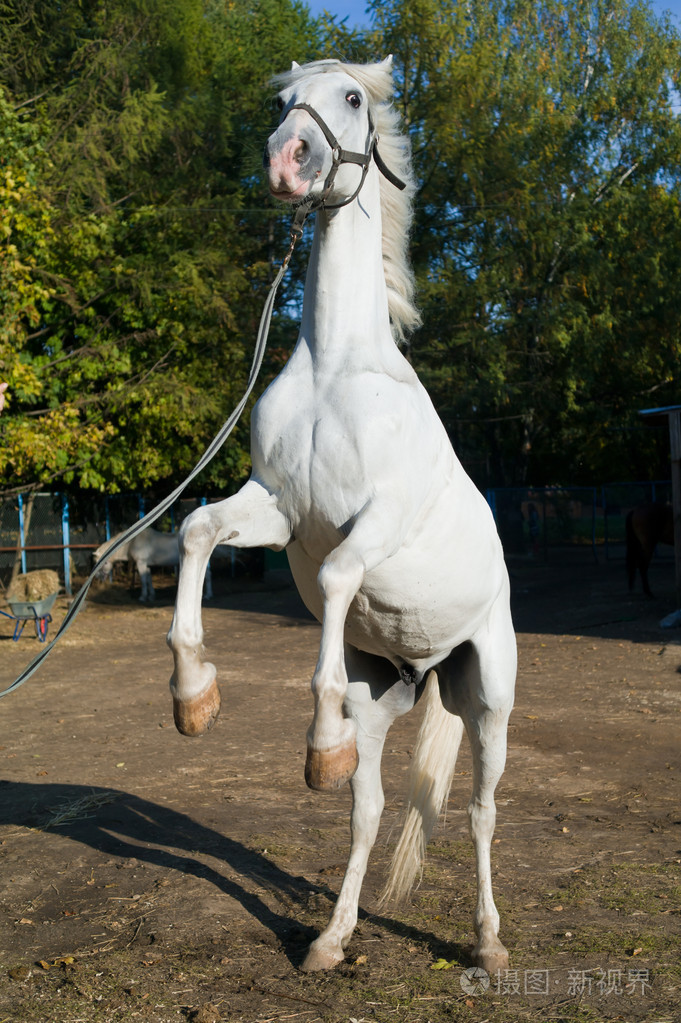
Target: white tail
[430, 778]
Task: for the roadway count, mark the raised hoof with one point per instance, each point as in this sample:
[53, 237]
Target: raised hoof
[491, 959]
[330, 769]
[197, 716]
[321, 959]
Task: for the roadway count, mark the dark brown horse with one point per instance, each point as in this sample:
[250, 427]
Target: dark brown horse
[646, 525]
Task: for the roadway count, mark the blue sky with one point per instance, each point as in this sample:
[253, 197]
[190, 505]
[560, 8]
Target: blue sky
[356, 9]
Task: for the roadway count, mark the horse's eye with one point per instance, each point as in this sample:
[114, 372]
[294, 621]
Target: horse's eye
[280, 103]
[354, 100]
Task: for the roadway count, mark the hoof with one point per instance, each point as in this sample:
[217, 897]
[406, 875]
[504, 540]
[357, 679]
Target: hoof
[321, 959]
[330, 769]
[493, 959]
[197, 716]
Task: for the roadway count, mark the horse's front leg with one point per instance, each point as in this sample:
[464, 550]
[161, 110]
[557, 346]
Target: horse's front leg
[331, 742]
[250, 518]
[208, 584]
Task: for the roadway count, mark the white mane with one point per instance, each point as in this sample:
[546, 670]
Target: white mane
[396, 205]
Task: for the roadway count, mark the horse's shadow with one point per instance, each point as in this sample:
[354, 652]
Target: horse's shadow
[120, 824]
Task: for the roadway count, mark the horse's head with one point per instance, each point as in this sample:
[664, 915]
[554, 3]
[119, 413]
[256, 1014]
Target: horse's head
[103, 568]
[323, 145]
[120, 555]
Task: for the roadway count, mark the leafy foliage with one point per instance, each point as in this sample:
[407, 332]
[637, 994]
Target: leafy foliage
[149, 121]
[548, 144]
[138, 246]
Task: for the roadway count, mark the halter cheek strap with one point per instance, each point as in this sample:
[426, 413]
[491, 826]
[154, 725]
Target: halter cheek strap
[340, 156]
[385, 171]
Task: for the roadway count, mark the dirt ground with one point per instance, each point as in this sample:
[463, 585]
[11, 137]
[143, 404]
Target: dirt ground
[152, 877]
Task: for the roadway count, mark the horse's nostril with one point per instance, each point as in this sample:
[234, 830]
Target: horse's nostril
[301, 152]
[266, 158]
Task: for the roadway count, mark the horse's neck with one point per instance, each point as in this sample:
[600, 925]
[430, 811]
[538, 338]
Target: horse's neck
[123, 553]
[120, 555]
[345, 308]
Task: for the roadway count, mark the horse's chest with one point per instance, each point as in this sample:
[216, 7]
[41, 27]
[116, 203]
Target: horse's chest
[310, 450]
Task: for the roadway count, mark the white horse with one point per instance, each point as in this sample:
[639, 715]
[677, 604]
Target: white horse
[151, 549]
[391, 545]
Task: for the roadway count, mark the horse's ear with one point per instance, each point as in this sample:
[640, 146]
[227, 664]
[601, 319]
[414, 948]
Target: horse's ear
[388, 62]
[295, 65]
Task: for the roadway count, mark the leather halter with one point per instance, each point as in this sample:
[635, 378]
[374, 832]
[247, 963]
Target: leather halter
[341, 156]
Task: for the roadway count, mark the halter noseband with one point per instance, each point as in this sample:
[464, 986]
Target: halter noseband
[340, 156]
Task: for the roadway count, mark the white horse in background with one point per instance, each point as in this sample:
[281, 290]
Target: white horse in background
[151, 549]
[391, 545]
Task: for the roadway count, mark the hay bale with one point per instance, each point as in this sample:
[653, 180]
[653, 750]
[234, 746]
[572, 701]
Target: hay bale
[33, 586]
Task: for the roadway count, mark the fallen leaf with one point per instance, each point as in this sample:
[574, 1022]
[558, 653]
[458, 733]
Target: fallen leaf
[441, 964]
[59, 961]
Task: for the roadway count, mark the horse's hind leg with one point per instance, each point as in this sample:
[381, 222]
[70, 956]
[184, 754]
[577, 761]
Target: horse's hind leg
[248, 519]
[148, 594]
[376, 696]
[644, 565]
[477, 682]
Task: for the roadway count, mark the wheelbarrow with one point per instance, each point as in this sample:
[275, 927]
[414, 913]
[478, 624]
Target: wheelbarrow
[37, 611]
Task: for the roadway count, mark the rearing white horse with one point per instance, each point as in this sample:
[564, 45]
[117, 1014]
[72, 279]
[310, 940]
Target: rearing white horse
[391, 545]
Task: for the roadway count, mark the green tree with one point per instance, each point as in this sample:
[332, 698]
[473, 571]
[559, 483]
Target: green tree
[25, 292]
[142, 233]
[548, 145]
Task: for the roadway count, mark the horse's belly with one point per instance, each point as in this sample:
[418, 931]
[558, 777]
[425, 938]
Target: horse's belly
[420, 613]
[417, 605]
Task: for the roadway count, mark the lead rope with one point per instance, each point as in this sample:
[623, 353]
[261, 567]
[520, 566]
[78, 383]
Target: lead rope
[210, 452]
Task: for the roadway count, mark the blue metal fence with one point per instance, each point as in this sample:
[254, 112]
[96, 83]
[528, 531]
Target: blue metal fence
[59, 531]
[534, 521]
